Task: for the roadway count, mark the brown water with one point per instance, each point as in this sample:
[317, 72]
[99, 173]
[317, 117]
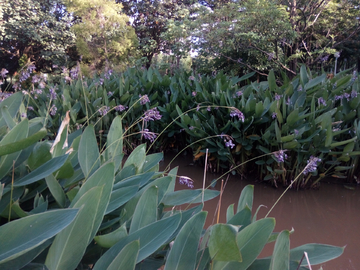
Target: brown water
[330, 215]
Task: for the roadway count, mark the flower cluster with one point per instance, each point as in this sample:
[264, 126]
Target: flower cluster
[280, 156]
[184, 180]
[238, 113]
[151, 136]
[321, 101]
[152, 115]
[3, 73]
[311, 165]
[52, 94]
[277, 97]
[274, 115]
[144, 99]
[104, 110]
[74, 72]
[229, 143]
[53, 110]
[120, 108]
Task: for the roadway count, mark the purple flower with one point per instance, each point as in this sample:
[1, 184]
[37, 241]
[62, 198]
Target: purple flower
[274, 115]
[52, 94]
[31, 68]
[152, 115]
[311, 165]
[324, 58]
[101, 81]
[120, 108]
[3, 73]
[230, 144]
[280, 156]
[239, 93]
[236, 112]
[354, 94]
[339, 97]
[74, 73]
[191, 127]
[144, 99]
[23, 115]
[30, 108]
[208, 108]
[184, 180]
[192, 78]
[109, 94]
[151, 136]
[193, 94]
[347, 96]
[53, 110]
[296, 132]
[198, 107]
[277, 97]
[104, 110]
[321, 101]
[300, 89]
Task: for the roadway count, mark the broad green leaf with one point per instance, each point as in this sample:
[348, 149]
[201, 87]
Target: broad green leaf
[12, 103]
[229, 212]
[137, 158]
[138, 179]
[318, 253]
[25, 234]
[184, 250]
[303, 75]
[8, 119]
[19, 132]
[188, 196]
[56, 190]
[120, 196]
[242, 218]
[39, 155]
[152, 161]
[149, 242]
[114, 139]
[146, 209]
[250, 241]
[319, 79]
[246, 198]
[88, 153]
[26, 258]
[110, 239]
[222, 243]
[272, 81]
[126, 259]
[281, 255]
[41, 172]
[69, 245]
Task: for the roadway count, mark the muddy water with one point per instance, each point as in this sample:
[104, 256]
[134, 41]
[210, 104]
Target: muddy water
[330, 215]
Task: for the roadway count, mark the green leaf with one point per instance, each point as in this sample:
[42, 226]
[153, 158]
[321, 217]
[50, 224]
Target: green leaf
[149, 242]
[318, 253]
[250, 241]
[281, 255]
[272, 81]
[115, 139]
[41, 172]
[184, 250]
[56, 190]
[126, 259]
[110, 239]
[69, 245]
[222, 243]
[246, 198]
[137, 158]
[229, 212]
[242, 218]
[146, 209]
[8, 119]
[121, 196]
[13, 104]
[27, 233]
[19, 132]
[88, 154]
[310, 84]
[188, 196]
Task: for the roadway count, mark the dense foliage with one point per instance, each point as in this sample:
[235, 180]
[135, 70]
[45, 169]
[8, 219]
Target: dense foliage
[66, 204]
[240, 121]
[35, 31]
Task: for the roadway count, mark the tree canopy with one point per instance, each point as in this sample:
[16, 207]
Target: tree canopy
[36, 31]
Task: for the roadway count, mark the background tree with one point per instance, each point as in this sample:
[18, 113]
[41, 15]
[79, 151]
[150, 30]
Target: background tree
[104, 37]
[151, 19]
[36, 31]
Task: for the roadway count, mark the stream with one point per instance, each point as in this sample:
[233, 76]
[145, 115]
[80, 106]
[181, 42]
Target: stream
[329, 215]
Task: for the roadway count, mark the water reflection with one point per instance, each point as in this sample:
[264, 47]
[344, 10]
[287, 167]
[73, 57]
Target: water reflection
[330, 215]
